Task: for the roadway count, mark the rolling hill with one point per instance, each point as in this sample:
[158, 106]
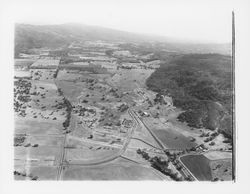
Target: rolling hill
[200, 84]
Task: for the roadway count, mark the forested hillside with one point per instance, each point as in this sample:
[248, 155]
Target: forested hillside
[200, 84]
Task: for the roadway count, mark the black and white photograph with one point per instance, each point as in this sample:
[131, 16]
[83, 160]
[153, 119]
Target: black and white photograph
[122, 91]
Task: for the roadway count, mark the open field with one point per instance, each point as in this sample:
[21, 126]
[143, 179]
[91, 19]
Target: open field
[118, 170]
[84, 152]
[38, 154]
[31, 126]
[199, 166]
[128, 80]
[23, 63]
[45, 140]
[169, 137]
[173, 140]
[222, 169]
[217, 155]
[69, 75]
[213, 165]
[71, 90]
[42, 172]
[21, 73]
[89, 154]
[46, 63]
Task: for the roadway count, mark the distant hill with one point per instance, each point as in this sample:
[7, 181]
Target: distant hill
[37, 36]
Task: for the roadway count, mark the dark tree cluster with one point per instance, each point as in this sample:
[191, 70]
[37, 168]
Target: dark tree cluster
[201, 85]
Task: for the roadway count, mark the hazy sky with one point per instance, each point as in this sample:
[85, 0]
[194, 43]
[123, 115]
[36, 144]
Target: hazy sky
[204, 21]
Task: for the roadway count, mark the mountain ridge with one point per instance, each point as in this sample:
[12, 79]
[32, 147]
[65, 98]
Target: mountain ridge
[28, 36]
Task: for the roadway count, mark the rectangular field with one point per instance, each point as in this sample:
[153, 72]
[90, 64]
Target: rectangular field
[199, 165]
[46, 63]
[117, 170]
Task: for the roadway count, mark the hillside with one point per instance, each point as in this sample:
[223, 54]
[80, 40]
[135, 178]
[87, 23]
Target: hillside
[201, 85]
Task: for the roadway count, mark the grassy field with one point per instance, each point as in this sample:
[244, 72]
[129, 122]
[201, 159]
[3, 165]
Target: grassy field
[42, 172]
[23, 63]
[68, 75]
[128, 80]
[117, 170]
[22, 73]
[52, 141]
[221, 164]
[222, 169]
[46, 63]
[217, 155]
[169, 137]
[38, 154]
[83, 152]
[32, 126]
[199, 165]
[71, 90]
[89, 155]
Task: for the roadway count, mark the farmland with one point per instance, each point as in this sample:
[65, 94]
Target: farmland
[199, 166]
[87, 110]
[76, 114]
[117, 170]
[209, 166]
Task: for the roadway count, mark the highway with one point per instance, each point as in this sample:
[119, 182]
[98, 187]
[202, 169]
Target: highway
[62, 152]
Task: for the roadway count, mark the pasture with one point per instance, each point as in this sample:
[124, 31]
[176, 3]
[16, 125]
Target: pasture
[42, 172]
[23, 63]
[120, 169]
[46, 63]
[90, 154]
[170, 137]
[199, 165]
[222, 169]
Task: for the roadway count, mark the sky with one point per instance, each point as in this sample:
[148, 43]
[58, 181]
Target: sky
[192, 20]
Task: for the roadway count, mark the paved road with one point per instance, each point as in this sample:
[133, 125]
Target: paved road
[62, 153]
[60, 167]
